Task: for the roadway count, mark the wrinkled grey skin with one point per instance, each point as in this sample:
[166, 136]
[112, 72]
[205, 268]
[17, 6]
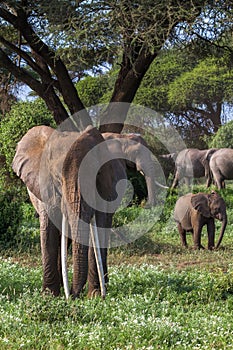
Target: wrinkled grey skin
[193, 211]
[59, 194]
[133, 148]
[193, 163]
[221, 166]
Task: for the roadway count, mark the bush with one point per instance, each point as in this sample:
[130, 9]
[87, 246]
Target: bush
[223, 138]
[22, 117]
[15, 216]
[18, 225]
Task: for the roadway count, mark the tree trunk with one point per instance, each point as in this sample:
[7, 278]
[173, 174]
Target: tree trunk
[126, 86]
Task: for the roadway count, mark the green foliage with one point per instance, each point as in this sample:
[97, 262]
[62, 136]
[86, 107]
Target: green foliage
[224, 137]
[207, 81]
[147, 307]
[189, 90]
[153, 92]
[18, 225]
[22, 117]
[91, 89]
[177, 80]
[10, 217]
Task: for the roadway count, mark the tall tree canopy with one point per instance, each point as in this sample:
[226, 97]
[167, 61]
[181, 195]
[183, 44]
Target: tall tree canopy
[48, 44]
[189, 89]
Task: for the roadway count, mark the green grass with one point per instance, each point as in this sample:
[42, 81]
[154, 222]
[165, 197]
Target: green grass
[160, 296]
[147, 307]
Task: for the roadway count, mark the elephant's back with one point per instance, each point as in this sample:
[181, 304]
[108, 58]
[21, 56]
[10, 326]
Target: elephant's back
[189, 163]
[222, 160]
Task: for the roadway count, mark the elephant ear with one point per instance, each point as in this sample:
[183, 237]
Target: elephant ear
[26, 162]
[200, 202]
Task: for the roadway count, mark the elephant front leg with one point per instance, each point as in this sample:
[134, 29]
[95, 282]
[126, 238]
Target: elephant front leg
[182, 233]
[50, 243]
[197, 237]
[175, 181]
[211, 233]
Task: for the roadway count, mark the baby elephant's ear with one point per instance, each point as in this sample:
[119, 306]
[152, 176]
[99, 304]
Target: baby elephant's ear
[200, 202]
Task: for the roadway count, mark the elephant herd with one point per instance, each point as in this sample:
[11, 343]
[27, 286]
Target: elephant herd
[215, 164]
[73, 182]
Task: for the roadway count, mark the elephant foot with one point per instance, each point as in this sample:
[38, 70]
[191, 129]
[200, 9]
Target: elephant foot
[94, 293]
[75, 295]
[149, 205]
[199, 247]
[185, 245]
[50, 291]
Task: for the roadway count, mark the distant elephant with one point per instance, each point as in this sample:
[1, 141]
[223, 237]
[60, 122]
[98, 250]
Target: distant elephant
[136, 154]
[48, 162]
[193, 163]
[167, 162]
[221, 166]
[193, 211]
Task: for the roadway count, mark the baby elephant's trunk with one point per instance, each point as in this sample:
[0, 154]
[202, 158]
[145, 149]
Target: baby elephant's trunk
[224, 223]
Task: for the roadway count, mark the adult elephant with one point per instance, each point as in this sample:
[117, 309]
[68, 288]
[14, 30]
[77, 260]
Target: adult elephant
[221, 166]
[135, 152]
[193, 211]
[193, 163]
[167, 162]
[49, 163]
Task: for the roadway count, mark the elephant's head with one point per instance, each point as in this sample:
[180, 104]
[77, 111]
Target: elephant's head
[136, 153]
[211, 205]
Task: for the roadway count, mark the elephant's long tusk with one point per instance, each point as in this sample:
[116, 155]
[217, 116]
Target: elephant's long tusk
[160, 185]
[156, 182]
[95, 242]
[64, 256]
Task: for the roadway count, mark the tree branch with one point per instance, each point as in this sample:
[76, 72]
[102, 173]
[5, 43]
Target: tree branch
[67, 87]
[224, 47]
[46, 92]
[21, 74]
[46, 77]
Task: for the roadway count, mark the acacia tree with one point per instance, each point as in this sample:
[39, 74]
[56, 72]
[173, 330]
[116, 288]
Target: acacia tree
[48, 36]
[189, 88]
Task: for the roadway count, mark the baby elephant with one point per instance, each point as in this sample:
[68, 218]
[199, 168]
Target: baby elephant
[193, 211]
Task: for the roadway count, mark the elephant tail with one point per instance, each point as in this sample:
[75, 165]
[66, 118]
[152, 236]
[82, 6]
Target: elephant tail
[206, 164]
[208, 172]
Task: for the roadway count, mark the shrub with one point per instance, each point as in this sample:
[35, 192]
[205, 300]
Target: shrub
[14, 218]
[223, 138]
[18, 225]
[22, 117]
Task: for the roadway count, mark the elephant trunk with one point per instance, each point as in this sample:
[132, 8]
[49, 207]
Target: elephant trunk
[80, 268]
[80, 242]
[151, 201]
[224, 223]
